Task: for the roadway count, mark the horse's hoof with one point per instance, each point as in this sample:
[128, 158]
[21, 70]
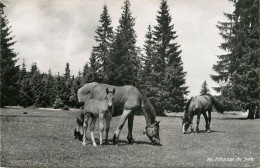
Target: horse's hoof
[94, 145]
[84, 143]
[208, 131]
[106, 143]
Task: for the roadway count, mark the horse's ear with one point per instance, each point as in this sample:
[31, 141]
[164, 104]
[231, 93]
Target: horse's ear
[114, 90]
[107, 90]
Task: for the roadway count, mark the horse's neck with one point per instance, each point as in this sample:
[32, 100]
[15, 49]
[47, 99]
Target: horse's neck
[149, 115]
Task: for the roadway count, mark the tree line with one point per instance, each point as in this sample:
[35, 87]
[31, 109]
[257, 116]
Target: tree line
[156, 68]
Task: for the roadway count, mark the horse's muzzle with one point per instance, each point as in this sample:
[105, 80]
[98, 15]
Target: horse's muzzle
[156, 141]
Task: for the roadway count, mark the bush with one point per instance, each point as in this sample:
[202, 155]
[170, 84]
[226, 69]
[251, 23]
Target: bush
[58, 103]
[65, 108]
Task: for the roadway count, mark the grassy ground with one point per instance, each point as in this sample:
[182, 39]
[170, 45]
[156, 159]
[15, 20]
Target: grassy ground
[44, 138]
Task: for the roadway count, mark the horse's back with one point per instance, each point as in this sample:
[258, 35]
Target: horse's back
[95, 106]
[125, 97]
[85, 92]
[202, 102]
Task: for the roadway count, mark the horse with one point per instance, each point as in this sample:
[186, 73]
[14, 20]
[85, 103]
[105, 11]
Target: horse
[102, 109]
[127, 101]
[196, 106]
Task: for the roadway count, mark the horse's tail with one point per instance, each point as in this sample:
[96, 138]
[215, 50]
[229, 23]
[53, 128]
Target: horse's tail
[219, 107]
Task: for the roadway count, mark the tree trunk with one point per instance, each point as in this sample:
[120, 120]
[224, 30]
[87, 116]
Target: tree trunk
[257, 115]
[251, 114]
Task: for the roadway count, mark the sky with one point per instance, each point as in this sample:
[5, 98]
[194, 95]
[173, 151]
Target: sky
[54, 32]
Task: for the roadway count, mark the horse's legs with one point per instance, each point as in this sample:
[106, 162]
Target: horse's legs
[198, 122]
[191, 128]
[206, 120]
[108, 117]
[101, 124]
[92, 127]
[85, 127]
[209, 119]
[130, 128]
[120, 126]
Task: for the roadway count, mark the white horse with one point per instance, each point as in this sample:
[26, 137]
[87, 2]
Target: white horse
[102, 109]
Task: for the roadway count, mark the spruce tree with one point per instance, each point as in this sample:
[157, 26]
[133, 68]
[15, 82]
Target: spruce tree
[168, 76]
[24, 91]
[204, 89]
[147, 65]
[125, 63]
[9, 71]
[66, 87]
[50, 89]
[241, 64]
[58, 88]
[104, 39]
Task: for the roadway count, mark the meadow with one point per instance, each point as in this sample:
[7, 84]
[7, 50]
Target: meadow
[44, 138]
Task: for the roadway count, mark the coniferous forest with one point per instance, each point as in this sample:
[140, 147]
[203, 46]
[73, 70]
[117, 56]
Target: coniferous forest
[155, 68]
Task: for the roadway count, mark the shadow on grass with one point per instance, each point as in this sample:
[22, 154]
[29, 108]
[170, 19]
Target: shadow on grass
[120, 142]
[238, 118]
[203, 131]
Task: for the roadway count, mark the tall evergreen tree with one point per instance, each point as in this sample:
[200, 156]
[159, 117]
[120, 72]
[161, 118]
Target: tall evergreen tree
[66, 87]
[9, 71]
[167, 65]
[50, 88]
[104, 39]
[125, 62]
[24, 91]
[204, 89]
[241, 71]
[147, 63]
[37, 86]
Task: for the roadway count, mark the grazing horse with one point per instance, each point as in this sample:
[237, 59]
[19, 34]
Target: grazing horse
[127, 100]
[102, 109]
[196, 106]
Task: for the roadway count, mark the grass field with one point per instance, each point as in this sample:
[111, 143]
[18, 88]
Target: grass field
[44, 138]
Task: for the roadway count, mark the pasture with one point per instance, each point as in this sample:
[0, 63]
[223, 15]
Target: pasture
[44, 138]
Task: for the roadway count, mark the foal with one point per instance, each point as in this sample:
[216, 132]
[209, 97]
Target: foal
[102, 109]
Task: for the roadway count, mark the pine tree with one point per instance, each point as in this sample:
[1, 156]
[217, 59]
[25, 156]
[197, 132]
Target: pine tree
[58, 88]
[73, 93]
[168, 76]
[125, 62]
[36, 84]
[204, 89]
[50, 89]
[24, 91]
[66, 87]
[147, 65]
[9, 71]
[241, 64]
[100, 54]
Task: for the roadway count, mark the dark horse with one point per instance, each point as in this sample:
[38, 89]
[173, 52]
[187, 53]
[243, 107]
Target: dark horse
[196, 106]
[127, 100]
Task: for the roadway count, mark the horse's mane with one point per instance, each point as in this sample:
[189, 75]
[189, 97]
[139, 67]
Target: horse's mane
[80, 119]
[149, 108]
[187, 105]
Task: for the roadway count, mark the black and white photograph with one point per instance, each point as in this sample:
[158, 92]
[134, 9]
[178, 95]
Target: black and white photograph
[130, 83]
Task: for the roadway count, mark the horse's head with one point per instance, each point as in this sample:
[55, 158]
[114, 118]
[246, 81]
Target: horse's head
[77, 132]
[152, 131]
[110, 97]
[186, 122]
